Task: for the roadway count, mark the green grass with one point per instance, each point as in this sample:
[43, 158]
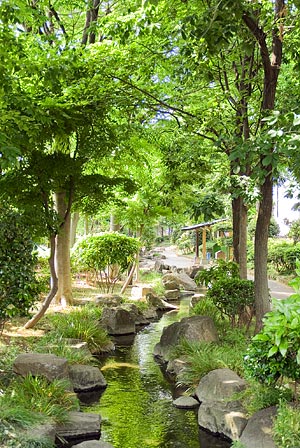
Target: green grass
[35, 394]
[82, 323]
[202, 357]
[260, 396]
[55, 344]
[286, 427]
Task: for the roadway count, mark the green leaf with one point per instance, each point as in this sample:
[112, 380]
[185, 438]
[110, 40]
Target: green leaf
[283, 347]
[273, 350]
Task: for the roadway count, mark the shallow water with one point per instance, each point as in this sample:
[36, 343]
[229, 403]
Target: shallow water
[136, 408]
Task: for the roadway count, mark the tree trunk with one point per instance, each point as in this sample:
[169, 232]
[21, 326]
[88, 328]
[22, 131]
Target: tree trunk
[114, 225]
[239, 219]
[262, 295]
[271, 67]
[54, 286]
[74, 223]
[63, 265]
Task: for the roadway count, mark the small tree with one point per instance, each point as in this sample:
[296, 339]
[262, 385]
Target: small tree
[106, 257]
[275, 351]
[18, 285]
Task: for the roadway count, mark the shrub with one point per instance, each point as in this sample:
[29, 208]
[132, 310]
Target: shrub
[286, 427]
[294, 231]
[18, 285]
[234, 298]
[106, 256]
[221, 270]
[275, 351]
[283, 256]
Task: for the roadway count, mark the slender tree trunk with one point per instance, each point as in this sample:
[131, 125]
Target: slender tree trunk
[271, 62]
[54, 286]
[261, 252]
[86, 226]
[239, 219]
[114, 225]
[74, 223]
[63, 264]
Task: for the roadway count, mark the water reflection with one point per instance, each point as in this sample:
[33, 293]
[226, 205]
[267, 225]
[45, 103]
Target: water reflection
[136, 408]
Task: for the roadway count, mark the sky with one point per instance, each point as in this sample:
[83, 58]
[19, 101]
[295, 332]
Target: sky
[283, 209]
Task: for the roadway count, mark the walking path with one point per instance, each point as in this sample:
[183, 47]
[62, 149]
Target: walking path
[277, 290]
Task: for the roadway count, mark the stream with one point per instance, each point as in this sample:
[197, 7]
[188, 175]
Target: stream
[136, 408]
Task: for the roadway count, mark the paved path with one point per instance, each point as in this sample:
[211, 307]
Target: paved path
[277, 290]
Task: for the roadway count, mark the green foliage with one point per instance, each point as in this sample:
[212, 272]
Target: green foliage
[18, 284]
[237, 444]
[186, 242]
[55, 344]
[80, 323]
[294, 231]
[206, 307]
[275, 351]
[260, 396]
[286, 426]
[203, 357]
[209, 206]
[107, 256]
[274, 228]
[283, 256]
[220, 270]
[234, 298]
[37, 395]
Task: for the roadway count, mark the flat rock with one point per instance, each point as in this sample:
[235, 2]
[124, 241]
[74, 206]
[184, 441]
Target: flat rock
[172, 294]
[94, 444]
[41, 364]
[42, 431]
[186, 403]
[85, 378]
[257, 433]
[80, 424]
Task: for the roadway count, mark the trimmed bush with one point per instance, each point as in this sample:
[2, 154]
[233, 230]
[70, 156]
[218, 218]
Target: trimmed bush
[19, 288]
[234, 298]
[105, 256]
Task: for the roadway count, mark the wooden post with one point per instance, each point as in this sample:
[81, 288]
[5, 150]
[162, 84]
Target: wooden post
[204, 245]
[197, 259]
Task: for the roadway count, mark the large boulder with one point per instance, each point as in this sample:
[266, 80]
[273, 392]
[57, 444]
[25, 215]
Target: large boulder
[194, 328]
[258, 432]
[79, 425]
[181, 280]
[118, 320]
[86, 378]
[41, 364]
[220, 412]
[137, 315]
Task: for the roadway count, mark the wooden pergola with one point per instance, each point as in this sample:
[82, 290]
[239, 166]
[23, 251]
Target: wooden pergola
[204, 226]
